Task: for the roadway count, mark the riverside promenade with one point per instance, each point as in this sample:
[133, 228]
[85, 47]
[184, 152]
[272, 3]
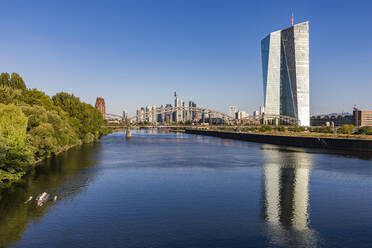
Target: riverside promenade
[332, 143]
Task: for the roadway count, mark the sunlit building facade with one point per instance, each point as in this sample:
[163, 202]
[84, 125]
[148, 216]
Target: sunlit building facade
[285, 66]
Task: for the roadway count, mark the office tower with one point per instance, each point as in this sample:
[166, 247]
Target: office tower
[232, 111]
[125, 114]
[153, 114]
[262, 110]
[285, 66]
[178, 104]
[167, 113]
[160, 114]
[191, 113]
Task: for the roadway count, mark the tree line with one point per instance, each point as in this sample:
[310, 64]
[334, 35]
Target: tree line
[34, 126]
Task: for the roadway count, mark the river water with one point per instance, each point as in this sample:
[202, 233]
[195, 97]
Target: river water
[162, 189]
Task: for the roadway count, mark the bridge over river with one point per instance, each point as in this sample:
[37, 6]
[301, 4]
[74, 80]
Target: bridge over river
[262, 118]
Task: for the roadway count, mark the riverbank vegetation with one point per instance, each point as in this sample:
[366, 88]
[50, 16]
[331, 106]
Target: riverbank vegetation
[34, 126]
[344, 131]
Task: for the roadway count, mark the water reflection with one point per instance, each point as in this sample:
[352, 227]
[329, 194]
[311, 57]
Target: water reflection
[286, 198]
[64, 176]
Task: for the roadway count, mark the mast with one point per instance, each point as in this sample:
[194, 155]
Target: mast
[292, 19]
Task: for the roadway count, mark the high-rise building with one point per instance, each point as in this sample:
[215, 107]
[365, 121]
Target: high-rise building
[285, 66]
[262, 110]
[191, 114]
[101, 106]
[178, 103]
[168, 115]
[125, 114]
[161, 114]
[232, 111]
[153, 118]
[362, 117]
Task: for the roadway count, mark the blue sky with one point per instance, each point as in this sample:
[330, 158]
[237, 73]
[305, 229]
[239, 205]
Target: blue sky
[136, 53]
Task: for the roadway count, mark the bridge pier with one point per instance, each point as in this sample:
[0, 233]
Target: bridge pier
[128, 133]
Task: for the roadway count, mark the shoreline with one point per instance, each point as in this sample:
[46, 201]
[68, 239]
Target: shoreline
[39, 161]
[326, 143]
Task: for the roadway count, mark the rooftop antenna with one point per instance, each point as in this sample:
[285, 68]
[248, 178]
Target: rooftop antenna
[292, 18]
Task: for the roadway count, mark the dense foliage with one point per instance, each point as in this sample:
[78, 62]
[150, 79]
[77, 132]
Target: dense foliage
[34, 126]
[365, 130]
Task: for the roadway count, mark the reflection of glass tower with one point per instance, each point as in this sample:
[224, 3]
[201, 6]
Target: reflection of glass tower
[285, 66]
[286, 196]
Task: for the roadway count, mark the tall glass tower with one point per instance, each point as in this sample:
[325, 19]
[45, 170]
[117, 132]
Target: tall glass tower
[285, 67]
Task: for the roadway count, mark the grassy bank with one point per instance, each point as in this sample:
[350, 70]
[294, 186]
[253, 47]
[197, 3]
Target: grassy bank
[346, 131]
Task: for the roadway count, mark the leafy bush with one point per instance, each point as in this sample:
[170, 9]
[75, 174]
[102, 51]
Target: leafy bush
[365, 130]
[296, 129]
[346, 129]
[265, 128]
[321, 130]
[280, 129]
[16, 156]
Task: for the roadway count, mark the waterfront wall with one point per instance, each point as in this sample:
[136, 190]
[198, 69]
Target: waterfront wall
[309, 142]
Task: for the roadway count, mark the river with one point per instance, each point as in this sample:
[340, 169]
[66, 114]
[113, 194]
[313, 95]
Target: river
[161, 189]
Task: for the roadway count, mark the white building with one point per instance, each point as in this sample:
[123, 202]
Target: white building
[232, 111]
[241, 115]
[285, 67]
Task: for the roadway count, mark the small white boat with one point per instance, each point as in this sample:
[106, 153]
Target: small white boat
[29, 199]
[42, 198]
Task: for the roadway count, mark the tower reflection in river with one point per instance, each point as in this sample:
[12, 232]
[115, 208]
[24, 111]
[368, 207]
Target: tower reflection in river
[286, 197]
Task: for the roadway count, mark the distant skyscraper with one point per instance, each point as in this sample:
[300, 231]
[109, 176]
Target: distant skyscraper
[262, 110]
[191, 114]
[168, 115]
[101, 106]
[232, 111]
[125, 114]
[178, 103]
[285, 66]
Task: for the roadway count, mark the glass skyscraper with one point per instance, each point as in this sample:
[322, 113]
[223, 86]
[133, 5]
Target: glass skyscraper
[285, 66]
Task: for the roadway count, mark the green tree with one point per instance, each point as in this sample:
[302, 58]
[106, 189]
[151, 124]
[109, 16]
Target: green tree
[16, 157]
[17, 82]
[9, 95]
[50, 132]
[346, 129]
[265, 128]
[85, 118]
[365, 130]
[39, 98]
[4, 79]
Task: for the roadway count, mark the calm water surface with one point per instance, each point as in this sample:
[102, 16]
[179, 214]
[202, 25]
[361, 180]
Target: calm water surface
[177, 190]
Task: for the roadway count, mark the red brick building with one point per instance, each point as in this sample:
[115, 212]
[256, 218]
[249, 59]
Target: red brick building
[100, 105]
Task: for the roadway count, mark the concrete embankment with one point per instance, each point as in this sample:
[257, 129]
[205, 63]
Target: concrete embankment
[345, 144]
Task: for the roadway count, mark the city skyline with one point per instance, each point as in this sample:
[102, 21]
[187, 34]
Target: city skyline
[132, 55]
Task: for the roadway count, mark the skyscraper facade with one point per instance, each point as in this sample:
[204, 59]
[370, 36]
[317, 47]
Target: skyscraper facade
[178, 103]
[285, 66]
[232, 111]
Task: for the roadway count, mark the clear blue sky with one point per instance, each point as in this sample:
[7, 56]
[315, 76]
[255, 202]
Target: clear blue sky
[136, 53]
